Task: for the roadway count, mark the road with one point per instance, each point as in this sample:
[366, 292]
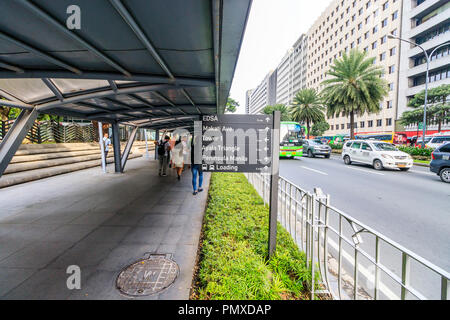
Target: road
[412, 208]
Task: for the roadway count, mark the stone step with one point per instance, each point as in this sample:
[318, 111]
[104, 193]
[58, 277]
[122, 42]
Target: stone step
[65, 154]
[32, 165]
[31, 149]
[31, 175]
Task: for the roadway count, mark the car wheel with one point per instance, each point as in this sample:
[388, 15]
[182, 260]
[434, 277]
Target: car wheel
[310, 154]
[445, 175]
[347, 160]
[327, 156]
[378, 165]
[404, 169]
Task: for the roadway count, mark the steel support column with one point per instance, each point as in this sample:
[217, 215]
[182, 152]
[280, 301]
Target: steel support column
[102, 146]
[146, 144]
[116, 143]
[157, 140]
[15, 136]
[126, 151]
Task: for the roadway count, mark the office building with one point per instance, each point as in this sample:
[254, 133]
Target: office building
[361, 24]
[291, 72]
[264, 94]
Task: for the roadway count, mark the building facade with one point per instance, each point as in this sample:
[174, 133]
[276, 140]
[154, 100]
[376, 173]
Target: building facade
[291, 72]
[248, 95]
[427, 23]
[365, 25]
[264, 94]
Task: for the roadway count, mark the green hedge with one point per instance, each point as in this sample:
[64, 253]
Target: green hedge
[414, 151]
[233, 252]
[336, 146]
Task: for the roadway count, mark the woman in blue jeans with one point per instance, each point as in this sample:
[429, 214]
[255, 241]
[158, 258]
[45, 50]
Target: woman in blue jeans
[196, 171]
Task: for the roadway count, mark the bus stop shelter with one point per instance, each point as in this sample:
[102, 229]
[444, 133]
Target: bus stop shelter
[157, 64]
[148, 64]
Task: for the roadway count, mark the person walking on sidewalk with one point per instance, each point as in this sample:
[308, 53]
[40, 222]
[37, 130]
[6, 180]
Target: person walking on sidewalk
[178, 157]
[196, 168]
[107, 145]
[163, 155]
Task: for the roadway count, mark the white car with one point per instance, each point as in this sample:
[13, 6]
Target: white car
[437, 141]
[379, 154]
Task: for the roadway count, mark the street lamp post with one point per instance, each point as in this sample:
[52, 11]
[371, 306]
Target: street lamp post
[428, 57]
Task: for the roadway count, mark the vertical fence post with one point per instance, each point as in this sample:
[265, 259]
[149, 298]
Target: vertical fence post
[312, 236]
[405, 274]
[39, 137]
[444, 288]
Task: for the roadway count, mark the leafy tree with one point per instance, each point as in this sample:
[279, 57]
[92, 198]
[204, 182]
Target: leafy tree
[307, 107]
[319, 128]
[355, 87]
[437, 97]
[8, 113]
[231, 105]
[284, 111]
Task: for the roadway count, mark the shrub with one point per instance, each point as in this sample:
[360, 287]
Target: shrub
[233, 252]
[336, 146]
[414, 151]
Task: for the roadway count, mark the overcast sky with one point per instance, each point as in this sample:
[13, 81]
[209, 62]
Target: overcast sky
[272, 28]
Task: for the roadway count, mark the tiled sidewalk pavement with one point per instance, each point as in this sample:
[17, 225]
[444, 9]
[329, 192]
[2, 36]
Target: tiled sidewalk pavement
[102, 223]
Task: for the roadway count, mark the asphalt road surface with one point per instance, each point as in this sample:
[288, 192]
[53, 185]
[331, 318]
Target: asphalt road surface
[412, 208]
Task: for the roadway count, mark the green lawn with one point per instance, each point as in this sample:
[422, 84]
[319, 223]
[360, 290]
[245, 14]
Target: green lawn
[233, 262]
[422, 161]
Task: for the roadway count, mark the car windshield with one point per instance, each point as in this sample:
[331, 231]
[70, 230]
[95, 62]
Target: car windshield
[315, 142]
[385, 146]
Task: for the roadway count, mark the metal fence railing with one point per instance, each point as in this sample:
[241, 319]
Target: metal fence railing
[353, 260]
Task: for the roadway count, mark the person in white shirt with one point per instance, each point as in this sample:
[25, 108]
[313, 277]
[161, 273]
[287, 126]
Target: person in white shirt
[107, 145]
[178, 157]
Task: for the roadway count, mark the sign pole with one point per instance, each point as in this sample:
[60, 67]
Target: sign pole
[274, 183]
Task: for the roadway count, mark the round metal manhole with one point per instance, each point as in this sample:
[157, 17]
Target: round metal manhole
[147, 276]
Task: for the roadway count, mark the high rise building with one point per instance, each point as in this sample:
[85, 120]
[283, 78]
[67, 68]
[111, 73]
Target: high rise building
[264, 94]
[362, 24]
[248, 94]
[291, 72]
[427, 23]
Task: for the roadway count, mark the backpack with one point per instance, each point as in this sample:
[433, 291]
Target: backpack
[161, 148]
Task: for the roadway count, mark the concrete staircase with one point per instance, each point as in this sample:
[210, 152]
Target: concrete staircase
[38, 161]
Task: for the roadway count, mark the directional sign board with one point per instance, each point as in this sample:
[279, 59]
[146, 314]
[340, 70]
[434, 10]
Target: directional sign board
[235, 143]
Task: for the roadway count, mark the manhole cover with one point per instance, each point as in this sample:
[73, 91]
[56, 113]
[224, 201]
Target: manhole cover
[147, 276]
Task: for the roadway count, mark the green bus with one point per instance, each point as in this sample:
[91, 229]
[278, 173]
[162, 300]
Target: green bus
[291, 139]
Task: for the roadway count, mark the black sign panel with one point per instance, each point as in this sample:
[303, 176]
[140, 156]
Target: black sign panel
[236, 143]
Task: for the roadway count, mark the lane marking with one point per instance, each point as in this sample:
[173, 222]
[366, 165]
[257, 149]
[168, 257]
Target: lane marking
[427, 173]
[324, 173]
[367, 171]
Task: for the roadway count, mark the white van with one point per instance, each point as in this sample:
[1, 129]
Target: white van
[379, 154]
[437, 141]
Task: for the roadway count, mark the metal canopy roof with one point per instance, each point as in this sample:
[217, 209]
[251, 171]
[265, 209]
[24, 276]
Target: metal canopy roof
[149, 63]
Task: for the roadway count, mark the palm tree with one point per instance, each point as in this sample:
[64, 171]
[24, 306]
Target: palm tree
[307, 107]
[354, 87]
[284, 111]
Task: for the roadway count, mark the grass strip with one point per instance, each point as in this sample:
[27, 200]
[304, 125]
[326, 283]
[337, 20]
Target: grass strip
[232, 259]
